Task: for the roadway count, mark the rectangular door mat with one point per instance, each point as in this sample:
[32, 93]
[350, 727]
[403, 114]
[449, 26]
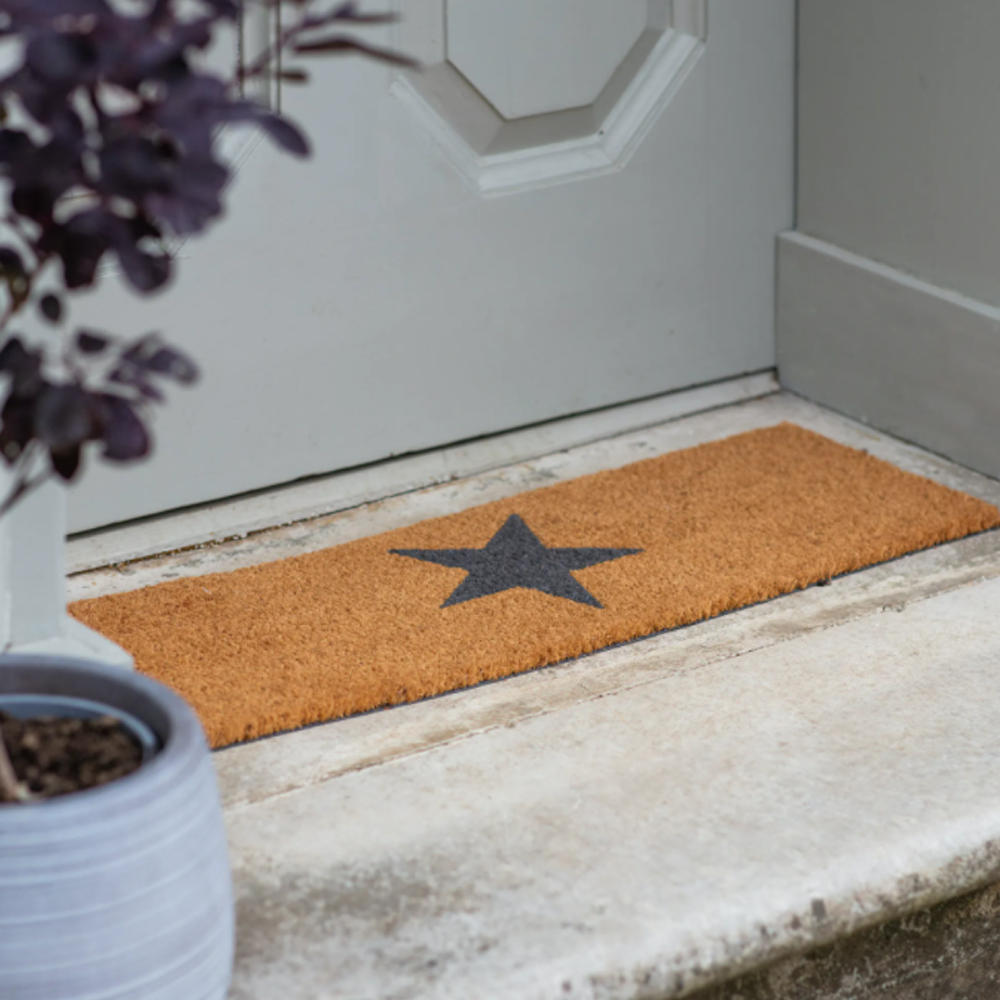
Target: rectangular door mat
[527, 581]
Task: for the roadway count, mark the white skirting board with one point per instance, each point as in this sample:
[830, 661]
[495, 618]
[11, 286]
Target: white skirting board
[910, 358]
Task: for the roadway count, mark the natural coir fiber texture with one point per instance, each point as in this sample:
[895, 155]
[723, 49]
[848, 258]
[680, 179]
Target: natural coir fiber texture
[527, 581]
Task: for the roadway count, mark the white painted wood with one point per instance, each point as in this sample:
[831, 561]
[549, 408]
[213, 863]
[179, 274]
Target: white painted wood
[897, 352]
[369, 304]
[899, 131]
[606, 145]
[32, 565]
[497, 155]
[33, 615]
[528, 58]
[899, 154]
[78, 642]
[341, 491]
[689, 17]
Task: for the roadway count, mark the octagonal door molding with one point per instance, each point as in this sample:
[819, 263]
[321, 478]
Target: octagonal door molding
[518, 95]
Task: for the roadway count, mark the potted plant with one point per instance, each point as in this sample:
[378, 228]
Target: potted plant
[114, 879]
[121, 889]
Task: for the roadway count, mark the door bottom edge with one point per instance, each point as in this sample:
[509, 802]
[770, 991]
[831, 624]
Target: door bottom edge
[237, 517]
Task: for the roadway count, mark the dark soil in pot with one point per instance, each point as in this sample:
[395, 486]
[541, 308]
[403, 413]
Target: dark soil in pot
[55, 756]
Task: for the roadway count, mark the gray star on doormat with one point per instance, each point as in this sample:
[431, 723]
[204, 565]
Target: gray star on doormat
[516, 557]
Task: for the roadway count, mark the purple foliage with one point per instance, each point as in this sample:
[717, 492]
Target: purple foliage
[117, 150]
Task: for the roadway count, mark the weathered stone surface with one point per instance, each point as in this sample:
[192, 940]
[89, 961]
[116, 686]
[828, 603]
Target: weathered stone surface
[654, 819]
[648, 840]
[946, 952]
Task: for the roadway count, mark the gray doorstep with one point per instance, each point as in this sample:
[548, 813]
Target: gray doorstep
[644, 822]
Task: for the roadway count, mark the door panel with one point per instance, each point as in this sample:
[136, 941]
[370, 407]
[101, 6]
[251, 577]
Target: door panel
[373, 301]
[529, 59]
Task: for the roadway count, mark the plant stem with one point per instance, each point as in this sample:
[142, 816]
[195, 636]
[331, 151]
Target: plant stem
[11, 790]
[264, 60]
[17, 303]
[21, 487]
[270, 59]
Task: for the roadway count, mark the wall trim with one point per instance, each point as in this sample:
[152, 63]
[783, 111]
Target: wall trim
[908, 357]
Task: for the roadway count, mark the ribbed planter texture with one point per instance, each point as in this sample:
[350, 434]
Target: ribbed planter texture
[121, 892]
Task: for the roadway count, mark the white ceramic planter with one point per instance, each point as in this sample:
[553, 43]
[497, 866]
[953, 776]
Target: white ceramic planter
[121, 892]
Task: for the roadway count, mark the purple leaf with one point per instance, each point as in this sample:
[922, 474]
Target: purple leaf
[145, 271]
[23, 366]
[64, 416]
[10, 262]
[125, 438]
[13, 355]
[81, 243]
[285, 134]
[51, 307]
[172, 363]
[17, 427]
[14, 145]
[134, 166]
[52, 9]
[194, 198]
[88, 342]
[281, 130]
[61, 59]
[349, 12]
[66, 461]
[342, 44]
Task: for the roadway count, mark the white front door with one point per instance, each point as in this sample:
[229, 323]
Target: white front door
[574, 205]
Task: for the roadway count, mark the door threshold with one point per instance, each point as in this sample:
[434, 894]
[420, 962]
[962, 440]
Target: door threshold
[356, 514]
[657, 817]
[240, 516]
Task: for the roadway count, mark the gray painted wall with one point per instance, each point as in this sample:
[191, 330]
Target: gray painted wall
[899, 135]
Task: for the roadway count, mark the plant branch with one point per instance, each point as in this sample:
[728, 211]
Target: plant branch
[17, 224]
[11, 790]
[287, 36]
[13, 307]
[18, 301]
[22, 487]
[263, 61]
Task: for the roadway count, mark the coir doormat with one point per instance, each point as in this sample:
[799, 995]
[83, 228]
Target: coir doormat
[528, 581]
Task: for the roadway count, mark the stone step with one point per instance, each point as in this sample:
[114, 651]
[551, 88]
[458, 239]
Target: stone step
[689, 814]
